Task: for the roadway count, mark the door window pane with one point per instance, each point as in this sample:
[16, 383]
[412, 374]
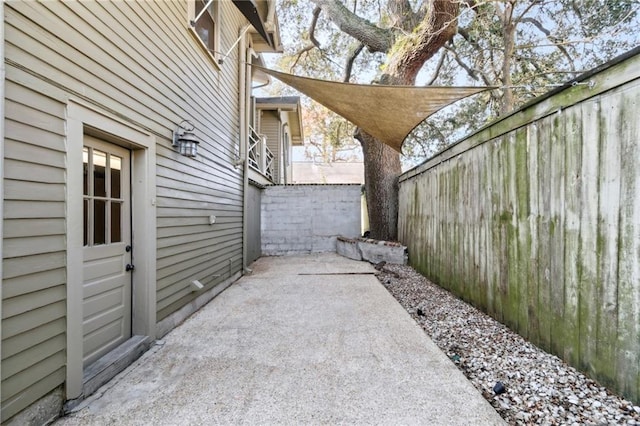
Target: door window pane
[85, 168]
[104, 203]
[99, 167]
[99, 221]
[85, 208]
[116, 222]
[116, 166]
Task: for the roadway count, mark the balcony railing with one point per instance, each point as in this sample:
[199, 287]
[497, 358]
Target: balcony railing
[255, 140]
[261, 158]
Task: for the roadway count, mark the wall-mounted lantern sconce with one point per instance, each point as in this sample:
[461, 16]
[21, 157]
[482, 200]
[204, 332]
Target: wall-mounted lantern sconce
[185, 139]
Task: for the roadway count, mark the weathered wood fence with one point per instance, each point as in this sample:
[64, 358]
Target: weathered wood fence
[535, 219]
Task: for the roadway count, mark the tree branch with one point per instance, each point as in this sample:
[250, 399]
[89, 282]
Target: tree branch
[374, 38]
[402, 15]
[527, 9]
[299, 54]
[312, 37]
[473, 73]
[436, 73]
[549, 36]
[467, 37]
[312, 27]
[471, 4]
[352, 57]
[438, 26]
[470, 71]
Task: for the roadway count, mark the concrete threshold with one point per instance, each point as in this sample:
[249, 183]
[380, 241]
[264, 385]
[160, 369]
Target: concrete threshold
[312, 339]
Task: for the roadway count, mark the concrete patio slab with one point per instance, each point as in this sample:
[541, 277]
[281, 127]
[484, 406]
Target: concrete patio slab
[312, 339]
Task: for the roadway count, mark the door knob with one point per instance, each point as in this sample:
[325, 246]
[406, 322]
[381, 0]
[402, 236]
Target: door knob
[129, 267]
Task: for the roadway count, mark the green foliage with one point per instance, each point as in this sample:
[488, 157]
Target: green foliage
[327, 61]
[329, 137]
[555, 40]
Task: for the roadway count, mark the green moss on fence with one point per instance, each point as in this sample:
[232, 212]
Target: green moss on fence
[534, 223]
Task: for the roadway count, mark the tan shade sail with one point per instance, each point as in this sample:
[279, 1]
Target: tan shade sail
[388, 113]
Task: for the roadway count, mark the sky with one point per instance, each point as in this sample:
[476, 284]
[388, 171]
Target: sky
[288, 38]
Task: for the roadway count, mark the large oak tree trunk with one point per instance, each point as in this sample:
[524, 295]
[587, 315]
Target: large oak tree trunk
[382, 163]
[381, 171]
[409, 43]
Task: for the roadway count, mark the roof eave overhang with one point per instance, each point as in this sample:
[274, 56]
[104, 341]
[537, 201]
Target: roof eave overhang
[279, 106]
[250, 11]
[294, 111]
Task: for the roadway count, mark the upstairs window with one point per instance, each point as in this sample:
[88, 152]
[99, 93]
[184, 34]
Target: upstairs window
[205, 24]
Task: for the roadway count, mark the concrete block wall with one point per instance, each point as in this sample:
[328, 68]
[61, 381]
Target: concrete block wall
[308, 218]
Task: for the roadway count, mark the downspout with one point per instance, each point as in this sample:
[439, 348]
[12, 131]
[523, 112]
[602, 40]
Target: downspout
[2, 76]
[281, 169]
[285, 152]
[244, 82]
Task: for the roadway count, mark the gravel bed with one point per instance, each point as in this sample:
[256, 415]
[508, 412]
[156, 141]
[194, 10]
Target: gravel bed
[539, 388]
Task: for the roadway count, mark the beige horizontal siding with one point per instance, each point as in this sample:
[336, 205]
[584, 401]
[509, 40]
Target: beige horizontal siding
[22, 132]
[179, 298]
[222, 224]
[18, 267]
[27, 246]
[176, 274]
[24, 190]
[23, 342]
[15, 398]
[33, 209]
[205, 272]
[188, 247]
[138, 61]
[26, 303]
[21, 285]
[28, 321]
[32, 171]
[33, 355]
[173, 248]
[33, 247]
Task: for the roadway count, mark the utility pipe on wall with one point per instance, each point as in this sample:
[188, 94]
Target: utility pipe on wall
[285, 152]
[244, 81]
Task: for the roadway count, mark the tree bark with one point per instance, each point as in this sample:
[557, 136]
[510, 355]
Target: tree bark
[382, 163]
[413, 39]
[375, 38]
[406, 58]
[508, 25]
[381, 171]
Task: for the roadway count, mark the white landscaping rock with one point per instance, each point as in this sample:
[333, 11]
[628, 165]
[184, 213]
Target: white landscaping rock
[541, 388]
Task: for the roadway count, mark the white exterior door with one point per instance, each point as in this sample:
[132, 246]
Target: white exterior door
[107, 253]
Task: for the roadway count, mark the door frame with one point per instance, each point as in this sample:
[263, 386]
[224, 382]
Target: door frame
[82, 119]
